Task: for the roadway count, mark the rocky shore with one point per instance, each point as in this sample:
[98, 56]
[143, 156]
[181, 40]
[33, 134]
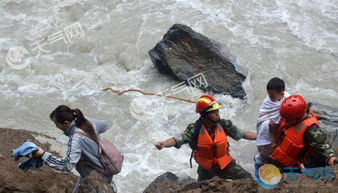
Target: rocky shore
[13, 179]
[170, 183]
[43, 180]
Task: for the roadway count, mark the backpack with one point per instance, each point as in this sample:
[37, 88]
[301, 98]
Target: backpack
[111, 158]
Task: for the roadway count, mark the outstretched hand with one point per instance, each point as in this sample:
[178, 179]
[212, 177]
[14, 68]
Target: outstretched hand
[38, 153]
[333, 161]
[167, 143]
[159, 145]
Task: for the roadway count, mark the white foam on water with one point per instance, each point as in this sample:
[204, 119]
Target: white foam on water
[314, 22]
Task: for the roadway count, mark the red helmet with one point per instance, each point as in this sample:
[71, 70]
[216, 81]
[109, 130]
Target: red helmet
[293, 107]
[206, 101]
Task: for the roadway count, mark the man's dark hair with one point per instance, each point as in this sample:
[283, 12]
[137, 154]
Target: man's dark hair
[276, 84]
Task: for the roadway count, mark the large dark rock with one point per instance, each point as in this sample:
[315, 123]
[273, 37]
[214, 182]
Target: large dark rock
[328, 119]
[94, 183]
[184, 53]
[170, 183]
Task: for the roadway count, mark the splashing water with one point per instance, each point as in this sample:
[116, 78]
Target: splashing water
[296, 41]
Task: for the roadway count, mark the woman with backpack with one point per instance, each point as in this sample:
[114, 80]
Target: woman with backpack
[83, 146]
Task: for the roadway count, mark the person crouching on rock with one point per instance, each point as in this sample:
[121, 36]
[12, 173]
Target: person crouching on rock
[300, 141]
[208, 138]
[82, 151]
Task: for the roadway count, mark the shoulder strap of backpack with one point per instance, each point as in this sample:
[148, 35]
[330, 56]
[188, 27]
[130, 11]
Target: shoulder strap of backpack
[84, 134]
[87, 162]
[87, 135]
[193, 143]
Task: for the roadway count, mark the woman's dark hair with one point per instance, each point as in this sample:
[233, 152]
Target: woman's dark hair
[63, 113]
[276, 84]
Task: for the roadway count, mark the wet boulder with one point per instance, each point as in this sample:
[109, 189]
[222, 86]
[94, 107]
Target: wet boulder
[94, 183]
[187, 55]
[328, 119]
[170, 183]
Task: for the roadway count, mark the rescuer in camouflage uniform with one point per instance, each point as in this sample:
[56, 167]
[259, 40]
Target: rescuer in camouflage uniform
[208, 120]
[317, 152]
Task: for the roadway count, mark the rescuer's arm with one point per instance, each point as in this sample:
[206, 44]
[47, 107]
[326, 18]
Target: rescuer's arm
[249, 135]
[316, 139]
[236, 133]
[179, 139]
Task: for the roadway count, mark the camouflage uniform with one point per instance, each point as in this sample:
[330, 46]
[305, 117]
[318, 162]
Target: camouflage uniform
[320, 149]
[231, 171]
[317, 151]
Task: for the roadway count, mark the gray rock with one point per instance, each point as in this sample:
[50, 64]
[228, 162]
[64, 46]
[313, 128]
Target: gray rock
[94, 183]
[328, 119]
[184, 53]
[169, 183]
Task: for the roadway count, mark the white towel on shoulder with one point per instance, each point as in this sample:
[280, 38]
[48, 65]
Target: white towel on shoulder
[269, 111]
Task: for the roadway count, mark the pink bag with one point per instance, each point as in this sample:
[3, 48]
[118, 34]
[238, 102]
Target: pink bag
[110, 156]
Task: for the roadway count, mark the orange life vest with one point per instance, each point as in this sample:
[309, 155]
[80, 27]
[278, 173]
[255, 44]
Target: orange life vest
[279, 131]
[210, 153]
[288, 152]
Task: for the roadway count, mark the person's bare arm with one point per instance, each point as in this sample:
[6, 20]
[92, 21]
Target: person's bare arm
[332, 161]
[249, 135]
[167, 143]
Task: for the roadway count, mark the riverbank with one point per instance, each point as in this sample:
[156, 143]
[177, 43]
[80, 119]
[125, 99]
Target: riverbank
[45, 179]
[13, 179]
[170, 183]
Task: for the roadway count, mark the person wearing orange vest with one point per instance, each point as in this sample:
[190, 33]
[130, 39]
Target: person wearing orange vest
[300, 142]
[208, 138]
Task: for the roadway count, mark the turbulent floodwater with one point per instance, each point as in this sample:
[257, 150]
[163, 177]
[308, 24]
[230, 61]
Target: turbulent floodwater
[295, 40]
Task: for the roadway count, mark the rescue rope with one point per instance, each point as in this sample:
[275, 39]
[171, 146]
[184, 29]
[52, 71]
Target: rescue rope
[121, 92]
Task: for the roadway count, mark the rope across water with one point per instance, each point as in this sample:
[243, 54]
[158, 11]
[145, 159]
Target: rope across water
[121, 92]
